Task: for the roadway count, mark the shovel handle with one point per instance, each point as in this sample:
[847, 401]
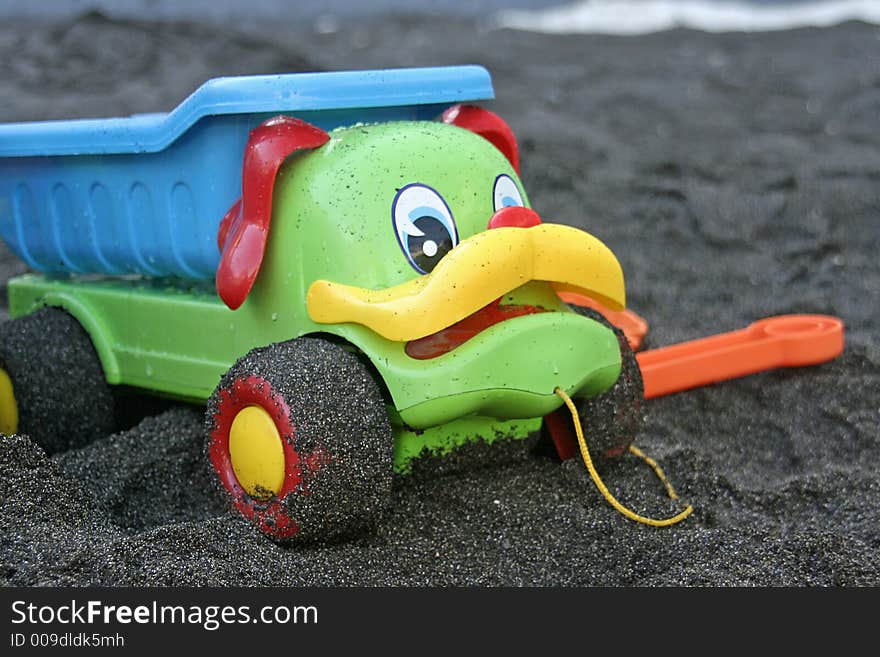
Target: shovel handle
[781, 341]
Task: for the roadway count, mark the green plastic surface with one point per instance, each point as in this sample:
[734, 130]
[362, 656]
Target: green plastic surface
[439, 441]
[172, 337]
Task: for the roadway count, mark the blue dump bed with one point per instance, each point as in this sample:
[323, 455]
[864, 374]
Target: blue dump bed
[145, 194]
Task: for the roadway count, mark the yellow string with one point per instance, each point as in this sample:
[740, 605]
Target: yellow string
[588, 461]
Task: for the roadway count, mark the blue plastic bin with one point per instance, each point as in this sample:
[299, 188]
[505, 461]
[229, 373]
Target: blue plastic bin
[145, 194]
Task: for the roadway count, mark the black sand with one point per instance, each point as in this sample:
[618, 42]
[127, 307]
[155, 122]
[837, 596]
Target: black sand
[735, 176]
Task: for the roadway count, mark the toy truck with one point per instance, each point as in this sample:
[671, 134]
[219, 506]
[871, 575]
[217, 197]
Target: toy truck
[344, 267]
[371, 282]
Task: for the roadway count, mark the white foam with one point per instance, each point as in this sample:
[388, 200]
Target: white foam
[645, 16]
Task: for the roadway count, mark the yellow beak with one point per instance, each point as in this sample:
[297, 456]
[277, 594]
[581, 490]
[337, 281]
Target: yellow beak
[473, 274]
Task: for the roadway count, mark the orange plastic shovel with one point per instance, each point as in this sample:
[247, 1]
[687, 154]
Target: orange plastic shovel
[781, 341]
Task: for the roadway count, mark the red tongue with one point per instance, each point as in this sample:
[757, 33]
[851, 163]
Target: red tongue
[447, 339]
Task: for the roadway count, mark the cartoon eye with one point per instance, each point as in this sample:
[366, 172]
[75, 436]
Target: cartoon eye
[506, 193]
[424, 225]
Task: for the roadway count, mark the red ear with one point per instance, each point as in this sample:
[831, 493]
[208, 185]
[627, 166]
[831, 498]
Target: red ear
[488, 125]
[245, 228]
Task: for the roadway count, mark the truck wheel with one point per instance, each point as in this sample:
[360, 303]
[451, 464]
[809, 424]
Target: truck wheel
[612, 420]
[300, 440]
[52, 386]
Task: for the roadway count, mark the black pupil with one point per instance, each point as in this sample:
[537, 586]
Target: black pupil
[427, 250]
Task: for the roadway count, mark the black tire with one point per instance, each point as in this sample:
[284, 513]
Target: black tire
[612, 420]
[63, 399]
[330, 412]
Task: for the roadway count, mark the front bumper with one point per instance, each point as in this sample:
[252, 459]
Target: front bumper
[509, 371]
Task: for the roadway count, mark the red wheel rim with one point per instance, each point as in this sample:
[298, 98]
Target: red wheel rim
[271, 516]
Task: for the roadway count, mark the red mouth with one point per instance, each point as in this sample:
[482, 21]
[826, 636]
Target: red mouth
[445, 340]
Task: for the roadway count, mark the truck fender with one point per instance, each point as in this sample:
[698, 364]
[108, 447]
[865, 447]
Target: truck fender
[90, 320]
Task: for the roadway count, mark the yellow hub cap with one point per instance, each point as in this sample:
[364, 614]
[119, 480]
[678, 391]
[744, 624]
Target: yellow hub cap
[8, 405]
[257, 453]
